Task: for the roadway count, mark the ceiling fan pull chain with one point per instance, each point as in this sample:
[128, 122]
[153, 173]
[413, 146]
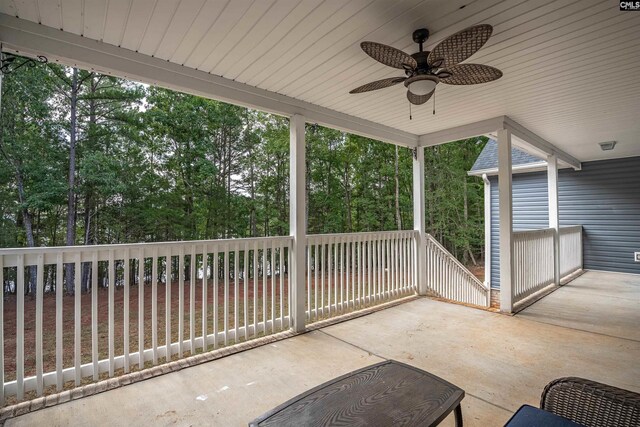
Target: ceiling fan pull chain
[410, 117]
[434, 102]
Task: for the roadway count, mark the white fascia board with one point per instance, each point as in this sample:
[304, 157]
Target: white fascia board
[528, 167]
[29, 38]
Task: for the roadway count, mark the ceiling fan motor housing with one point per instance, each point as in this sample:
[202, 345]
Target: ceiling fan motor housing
[423, 65]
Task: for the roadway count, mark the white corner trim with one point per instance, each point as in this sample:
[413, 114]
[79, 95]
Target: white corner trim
[26, 37]
[487, 231]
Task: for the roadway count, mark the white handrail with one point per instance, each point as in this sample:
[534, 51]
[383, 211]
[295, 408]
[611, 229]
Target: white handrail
[362, 235]
[448, 278]
[70, 252]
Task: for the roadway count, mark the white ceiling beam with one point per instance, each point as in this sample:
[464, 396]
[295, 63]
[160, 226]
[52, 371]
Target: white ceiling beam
[527, 140]
[523, 146]
[540, 143]
[457, 133]
[29, 38]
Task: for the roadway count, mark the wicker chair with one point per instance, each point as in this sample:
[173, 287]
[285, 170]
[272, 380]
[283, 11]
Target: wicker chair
[590, 403]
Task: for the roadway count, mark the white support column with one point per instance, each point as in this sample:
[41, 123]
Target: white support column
[418, 219]
[297, 221]
[554, 221]
[487, 230]
[506, 220]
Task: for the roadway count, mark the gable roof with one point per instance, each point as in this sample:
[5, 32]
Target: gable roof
[487, 161]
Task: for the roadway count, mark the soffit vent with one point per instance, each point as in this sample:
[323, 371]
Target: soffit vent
[607, 146]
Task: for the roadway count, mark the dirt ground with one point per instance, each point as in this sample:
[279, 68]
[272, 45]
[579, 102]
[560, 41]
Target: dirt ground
[68, 326]
[477, 270]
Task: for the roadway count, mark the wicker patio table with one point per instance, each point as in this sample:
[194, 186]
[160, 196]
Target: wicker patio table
[389, 393]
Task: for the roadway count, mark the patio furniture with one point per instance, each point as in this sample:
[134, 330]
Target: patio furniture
[530, 416]
[389, 393]
[591, 403]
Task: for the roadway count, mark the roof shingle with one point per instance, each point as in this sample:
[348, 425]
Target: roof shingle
[488, 158]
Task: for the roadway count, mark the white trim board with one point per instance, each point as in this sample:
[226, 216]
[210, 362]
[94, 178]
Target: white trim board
[525, 168]
[25, 37]
[484, 127]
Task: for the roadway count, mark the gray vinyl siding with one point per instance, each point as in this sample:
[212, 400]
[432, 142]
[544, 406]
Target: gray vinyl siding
[530, 212]
[604, 197]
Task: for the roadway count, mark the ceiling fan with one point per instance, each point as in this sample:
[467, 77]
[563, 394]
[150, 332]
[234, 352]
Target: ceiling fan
[424, 70]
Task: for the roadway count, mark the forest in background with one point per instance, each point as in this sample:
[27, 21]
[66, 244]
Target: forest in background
[90, 159]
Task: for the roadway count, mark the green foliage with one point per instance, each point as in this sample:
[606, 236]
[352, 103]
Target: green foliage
[156, 165]
[455, 202]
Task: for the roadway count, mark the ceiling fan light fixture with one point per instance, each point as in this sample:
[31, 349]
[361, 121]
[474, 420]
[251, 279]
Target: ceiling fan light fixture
[422, 84]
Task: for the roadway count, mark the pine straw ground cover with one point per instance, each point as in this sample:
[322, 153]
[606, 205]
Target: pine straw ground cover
[68, 325]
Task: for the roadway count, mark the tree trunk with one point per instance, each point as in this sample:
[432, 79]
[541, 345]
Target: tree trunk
[88, 200]
[347, 196]
[253, 226]
[71, 198]
[397, 191]
[307, 183]
[28, 228]
[466, 202]
[86, 267]
[473, 258]
[228, 215]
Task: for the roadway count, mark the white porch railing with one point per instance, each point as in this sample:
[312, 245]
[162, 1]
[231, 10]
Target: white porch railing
[570, 250]
[139, 305]
[448, 278]
[533, 258]
[346, 272]
[533, 262]
[242, 292]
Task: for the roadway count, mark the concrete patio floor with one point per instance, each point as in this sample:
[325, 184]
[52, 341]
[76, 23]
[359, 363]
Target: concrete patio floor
[588, 328]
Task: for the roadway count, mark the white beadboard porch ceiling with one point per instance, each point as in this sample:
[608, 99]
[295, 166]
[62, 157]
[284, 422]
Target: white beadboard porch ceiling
[570, 67]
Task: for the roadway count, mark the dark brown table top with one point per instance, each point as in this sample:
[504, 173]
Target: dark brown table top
[389, 393]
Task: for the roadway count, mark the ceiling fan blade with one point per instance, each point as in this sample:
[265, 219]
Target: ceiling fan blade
[419, 99]
[378, 84]
[470, 74]
[388, 55]
[460, 46]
